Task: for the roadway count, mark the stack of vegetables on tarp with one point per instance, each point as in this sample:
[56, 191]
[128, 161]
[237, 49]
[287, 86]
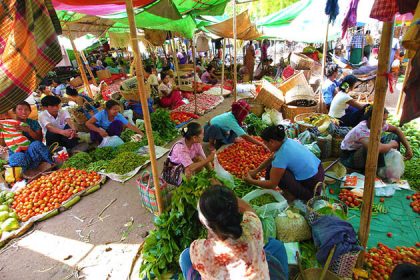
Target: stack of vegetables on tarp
[205, 103]
[43, 198]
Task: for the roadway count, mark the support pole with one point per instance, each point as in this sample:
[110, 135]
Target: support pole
[223, 67]
[402, 94]
[81, 68]
[174, 54]
[142, 93]
[235, 74]
[275, 51]
[321, 106]
[88, 67]
[195, 75]
[381, 87]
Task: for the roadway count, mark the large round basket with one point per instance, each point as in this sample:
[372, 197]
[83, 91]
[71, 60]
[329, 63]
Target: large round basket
[301, 62]
[130, 94]
[300, 120]
[290, 112]
[256, 107]
[297, 79]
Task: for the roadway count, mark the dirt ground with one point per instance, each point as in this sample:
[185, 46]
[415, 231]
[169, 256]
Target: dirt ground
[63, 247]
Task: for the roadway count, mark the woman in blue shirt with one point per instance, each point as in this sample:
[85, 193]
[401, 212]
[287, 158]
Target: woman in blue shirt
[109, 122]
[329, 88]
[292, 167]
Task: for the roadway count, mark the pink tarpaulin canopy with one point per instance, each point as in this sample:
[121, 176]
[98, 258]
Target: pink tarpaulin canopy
[96, 7]
[404, 18]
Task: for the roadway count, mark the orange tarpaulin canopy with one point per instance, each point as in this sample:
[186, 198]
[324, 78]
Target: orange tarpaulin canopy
[245, 29]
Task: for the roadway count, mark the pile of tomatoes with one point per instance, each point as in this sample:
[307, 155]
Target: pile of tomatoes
[349, 198]
[382, 260]
[239, 158]
[49, 191]
[415, 204]
[181, 117]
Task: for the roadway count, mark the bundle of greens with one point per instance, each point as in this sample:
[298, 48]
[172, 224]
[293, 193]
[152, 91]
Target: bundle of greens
[255, 124]
[126, 135]
[128, 147]
[125, 162]
[97, 166]
[163, 125]
[104, 153]
[157, 140]
[263, 200]
[79, 161]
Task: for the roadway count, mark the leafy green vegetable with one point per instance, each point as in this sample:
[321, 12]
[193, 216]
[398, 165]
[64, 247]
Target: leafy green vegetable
[308, 255]
[262, 200]
[104, 153]
[97, 165]
[162, 124]
[128, 147]
[255, 124]
[126, 135]
[79, 161]
[125, 162]
[2, 162]
[157, 140]
[329, 211]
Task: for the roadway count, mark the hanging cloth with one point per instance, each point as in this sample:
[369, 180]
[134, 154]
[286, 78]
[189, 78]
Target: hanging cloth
[332, 9]
[350, 19]
[384, 10]
[202, 43]
[29, 48]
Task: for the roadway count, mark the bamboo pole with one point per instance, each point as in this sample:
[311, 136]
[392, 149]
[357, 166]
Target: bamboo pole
[195, 75]
[174, 54]
[402, 93]
[235, 74]
[381, 87]
[88, 68]
[321, 104]
[145, 109]
[81, 68]
[223, 66]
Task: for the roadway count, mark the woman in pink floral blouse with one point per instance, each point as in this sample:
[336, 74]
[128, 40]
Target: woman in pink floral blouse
[234, 248]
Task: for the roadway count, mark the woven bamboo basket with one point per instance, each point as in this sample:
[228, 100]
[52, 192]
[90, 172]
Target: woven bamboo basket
[290, 112]
[270, 96]
[299, 92]
[297, 79]
[335, 146]
[299, 119]
[133, 94]
[301, 62]
[256, 107]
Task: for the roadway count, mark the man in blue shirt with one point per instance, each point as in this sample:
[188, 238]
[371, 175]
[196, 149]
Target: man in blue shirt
[59, 88]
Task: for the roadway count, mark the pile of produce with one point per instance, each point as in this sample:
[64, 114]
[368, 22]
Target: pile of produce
[124, 163]
[127, 147]
[181, 117]
[382, 260]
[415, 204]
[127, 134]
[262, 200]
[104, 153]
[205, 102]
[8, 217]
[162, 124]
[349, 198]
[255, 125]
[49, 191]
[80, 160]
[322, 121]
[239, 158]
[412, 167]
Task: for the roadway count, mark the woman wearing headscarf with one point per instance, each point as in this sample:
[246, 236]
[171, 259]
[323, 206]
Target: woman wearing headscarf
[225, 128]
[250, 59]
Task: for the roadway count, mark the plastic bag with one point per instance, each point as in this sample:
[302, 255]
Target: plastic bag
[223, 175]
[394, 166]
[270, 209]
[305, 137]
[129, 115]
[111, 141]
[313, 147]
[269, 228]
[276, 116]
[266, 118]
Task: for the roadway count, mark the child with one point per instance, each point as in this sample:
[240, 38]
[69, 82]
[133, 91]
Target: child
[57, 124]
[105, 91]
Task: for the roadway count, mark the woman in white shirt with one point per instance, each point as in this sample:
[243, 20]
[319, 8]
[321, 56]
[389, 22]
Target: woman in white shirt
[344, 107]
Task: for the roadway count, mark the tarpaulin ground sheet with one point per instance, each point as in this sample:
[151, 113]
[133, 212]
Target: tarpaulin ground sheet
[401, 220]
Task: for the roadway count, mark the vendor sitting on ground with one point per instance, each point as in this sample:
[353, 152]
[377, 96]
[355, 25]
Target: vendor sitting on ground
[209, 77]
[84, 102]
[189, 152]
[226, 128]
[28, 157]
[57, 124]
[355, 144]
[344, 107]
[170, 97]
[330, 87]
[293, 167]
[234, 248]
[109, 122]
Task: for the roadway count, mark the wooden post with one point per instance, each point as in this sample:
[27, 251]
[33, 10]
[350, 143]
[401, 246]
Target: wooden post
[381, 87]
[81, 68]
[195, 74]
[275, 51]
[88, 68]
[321, 105]
[145, 109]
[223, 66]
[235, 77]
[174, 54]
[402, 94]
